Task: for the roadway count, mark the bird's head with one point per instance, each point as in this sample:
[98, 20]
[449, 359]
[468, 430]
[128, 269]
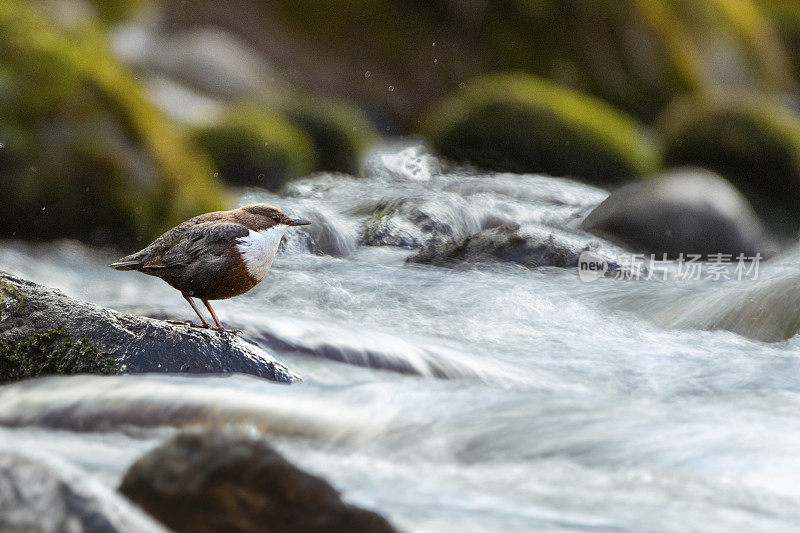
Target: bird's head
[265, 216]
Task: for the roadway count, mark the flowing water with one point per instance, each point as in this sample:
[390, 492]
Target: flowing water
[480, 398]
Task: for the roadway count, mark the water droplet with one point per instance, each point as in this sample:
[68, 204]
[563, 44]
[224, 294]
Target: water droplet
[266, 143]
[435, 60]
[261, 176]
[433, 44]
[367, 74]
[44, 208]
[216, 174]
[2, 144]
[391, 88]
[462, 85]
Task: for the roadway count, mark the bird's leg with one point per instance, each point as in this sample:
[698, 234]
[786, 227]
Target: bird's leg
[219, 327]
[196, 310]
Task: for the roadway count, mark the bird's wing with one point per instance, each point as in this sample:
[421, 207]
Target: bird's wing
[211, 239]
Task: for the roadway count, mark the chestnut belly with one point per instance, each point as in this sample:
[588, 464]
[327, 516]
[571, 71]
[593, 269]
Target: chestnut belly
[215, 278]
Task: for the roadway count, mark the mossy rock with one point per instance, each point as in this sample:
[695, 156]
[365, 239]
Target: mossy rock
[53, 352]
[85, 154]
[341, 132]
[251, 146]
[753, 142]
[520, 123]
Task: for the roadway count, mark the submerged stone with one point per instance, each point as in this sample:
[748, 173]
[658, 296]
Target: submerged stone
[541, 247]
[213, 480]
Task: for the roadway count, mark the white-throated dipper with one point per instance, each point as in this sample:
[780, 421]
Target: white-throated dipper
[215, 256]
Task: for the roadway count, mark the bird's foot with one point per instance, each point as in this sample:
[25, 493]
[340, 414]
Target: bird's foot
[225, 330]
[187, 323]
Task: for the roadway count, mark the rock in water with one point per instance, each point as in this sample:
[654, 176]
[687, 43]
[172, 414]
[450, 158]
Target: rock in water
[136, 344]
[537, 247]
[212, 480]
[689, 211]
[36, 498]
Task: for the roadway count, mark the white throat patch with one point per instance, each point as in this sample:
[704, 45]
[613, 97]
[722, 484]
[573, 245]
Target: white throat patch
[258, 249]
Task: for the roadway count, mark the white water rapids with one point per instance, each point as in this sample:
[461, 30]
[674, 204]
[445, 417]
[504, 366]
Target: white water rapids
[528, 400]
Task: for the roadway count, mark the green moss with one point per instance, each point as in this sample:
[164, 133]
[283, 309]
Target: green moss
[521, 123]
[340, 131]
[251, 146]
[7, 291]
[53, 352]
[115, 11]
[753, 142]
[88, 156]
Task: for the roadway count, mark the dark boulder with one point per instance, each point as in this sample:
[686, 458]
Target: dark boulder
[689, 211]
[34, 316]
[36, 498]
[213, 480]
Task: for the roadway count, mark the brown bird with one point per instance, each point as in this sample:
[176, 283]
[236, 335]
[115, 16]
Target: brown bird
[215, 256]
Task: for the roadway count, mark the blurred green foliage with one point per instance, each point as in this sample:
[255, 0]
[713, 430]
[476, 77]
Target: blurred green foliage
[87, 156]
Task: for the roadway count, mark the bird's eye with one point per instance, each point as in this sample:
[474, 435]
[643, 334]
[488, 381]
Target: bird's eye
[275, 217]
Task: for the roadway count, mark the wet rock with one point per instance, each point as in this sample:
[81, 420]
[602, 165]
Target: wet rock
[36, 498]
[415, 222]
[689, 211]
[392, 228]
[136, 344]
[215, 480]
[505, 243]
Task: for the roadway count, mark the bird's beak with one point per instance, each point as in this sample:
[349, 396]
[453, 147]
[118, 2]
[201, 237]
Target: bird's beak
[299, 222]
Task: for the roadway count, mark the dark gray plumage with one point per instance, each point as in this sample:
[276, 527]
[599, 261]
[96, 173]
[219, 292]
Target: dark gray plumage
[204, 257]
